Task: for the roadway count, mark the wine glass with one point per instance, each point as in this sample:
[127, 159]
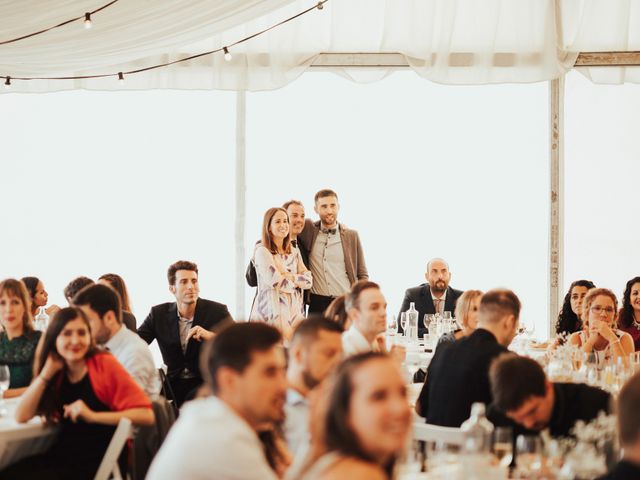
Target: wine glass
[4, 386]
[503, 445]
[529, 453]
[403, 323]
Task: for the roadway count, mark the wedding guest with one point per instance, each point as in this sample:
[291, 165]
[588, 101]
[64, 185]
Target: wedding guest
[524, 399]
[363, 422]
[336, 259]
[180, 327]
[367, 311]
[629, 319]
[217, 436]
[458, 374]
[39, 296]
[569, 319]
[337, 312]
[316, 348]
[435, 296]
[628, 431]
[18, 340]
[82, 389]
[466, 314]
[281, 276]
[74, 286]
[101, 305]
[116, 282]
[600, 336]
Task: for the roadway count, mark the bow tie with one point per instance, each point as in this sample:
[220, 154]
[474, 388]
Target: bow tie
[329, 231]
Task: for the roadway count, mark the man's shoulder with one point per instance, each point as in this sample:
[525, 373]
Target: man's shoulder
[213, 306]
[163, 307]
[344, 230]
[456, 293]
[415, 291]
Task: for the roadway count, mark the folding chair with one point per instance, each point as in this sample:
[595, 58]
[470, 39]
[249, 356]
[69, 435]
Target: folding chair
[166, 391]
[109, 467]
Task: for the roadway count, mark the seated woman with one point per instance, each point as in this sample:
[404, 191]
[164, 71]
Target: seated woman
[85, 391]
[39, 296]
[282, 276]
[18, 340]
[569, 317]
[600, 336]
[466, 314]
[116, 282]
[629, 319]
[363, 421]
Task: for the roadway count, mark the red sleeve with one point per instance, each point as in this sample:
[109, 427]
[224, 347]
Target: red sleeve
[113, 385]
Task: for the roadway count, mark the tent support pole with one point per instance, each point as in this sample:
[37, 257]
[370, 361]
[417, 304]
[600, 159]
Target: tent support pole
[241, 188]
[556, 204]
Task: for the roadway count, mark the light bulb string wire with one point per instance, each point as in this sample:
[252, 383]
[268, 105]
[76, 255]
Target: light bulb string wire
[319, 5]
[67, 22]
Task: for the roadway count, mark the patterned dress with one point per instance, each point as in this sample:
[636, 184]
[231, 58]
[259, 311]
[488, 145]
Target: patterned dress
[279, 300]
[18, 354]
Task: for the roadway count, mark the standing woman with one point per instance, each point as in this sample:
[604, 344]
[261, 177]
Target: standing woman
[629, 320]
[116, 282]
[569, 319]
[84, 390]
[600, 336]
[39, 296]
[282, 275]
[18, 340]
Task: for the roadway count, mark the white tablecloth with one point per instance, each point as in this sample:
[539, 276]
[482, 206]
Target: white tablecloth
[20, 440]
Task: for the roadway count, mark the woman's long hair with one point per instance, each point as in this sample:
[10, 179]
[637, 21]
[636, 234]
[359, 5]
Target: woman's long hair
[463, 306]
[568, 322]
[15, 288]
[267, 237]
[626, 312]
[32, 287]
[117, 283]
[50, 404]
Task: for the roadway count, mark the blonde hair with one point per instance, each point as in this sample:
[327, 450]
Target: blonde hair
[463, 305]
[15, 288]
[590, 297]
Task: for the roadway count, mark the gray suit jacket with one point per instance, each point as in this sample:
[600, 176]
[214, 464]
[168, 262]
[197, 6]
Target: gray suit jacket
[353, 256]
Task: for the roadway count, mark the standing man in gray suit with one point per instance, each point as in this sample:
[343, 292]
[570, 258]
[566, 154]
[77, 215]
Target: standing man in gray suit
[336, 259]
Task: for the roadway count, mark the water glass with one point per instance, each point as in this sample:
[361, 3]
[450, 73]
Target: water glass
[4, 386]
[447, 315]
[392, 325]
[503, 445]
[529, 453]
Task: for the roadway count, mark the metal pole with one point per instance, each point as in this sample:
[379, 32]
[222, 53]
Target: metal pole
[241, 187]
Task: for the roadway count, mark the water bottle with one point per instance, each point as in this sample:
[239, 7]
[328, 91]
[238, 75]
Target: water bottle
[412, 322]
[477, 431]
[42, 320]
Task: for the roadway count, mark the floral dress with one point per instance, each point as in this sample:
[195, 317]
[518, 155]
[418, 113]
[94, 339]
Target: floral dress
[279, 300]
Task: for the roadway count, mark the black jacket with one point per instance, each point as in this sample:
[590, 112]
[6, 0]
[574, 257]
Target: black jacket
[421, 296]
[162, 325]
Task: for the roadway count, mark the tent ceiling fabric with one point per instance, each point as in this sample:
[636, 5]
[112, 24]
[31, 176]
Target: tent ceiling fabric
[446, 41]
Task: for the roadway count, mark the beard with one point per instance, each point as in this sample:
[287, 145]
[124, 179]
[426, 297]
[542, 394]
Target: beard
[309, 381]
[438, 287]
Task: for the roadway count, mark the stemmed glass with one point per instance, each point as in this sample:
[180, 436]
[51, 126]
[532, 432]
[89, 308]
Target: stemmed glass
[503, 445]
[403, 323]
[529, 453]
[4, 386]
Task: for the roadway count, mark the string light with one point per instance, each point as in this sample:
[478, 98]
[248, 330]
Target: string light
[87, 21]
[225, 50]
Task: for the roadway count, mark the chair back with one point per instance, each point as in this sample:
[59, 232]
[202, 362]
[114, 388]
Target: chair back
[427, 432]
[166, 391]
[109, 466]
[149, 438]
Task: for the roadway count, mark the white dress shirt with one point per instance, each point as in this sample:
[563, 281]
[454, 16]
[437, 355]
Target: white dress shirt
[134, 355]
[210, 441]
[296, 424]
[353, 342]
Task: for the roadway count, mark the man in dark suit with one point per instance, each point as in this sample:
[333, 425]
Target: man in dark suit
[180, 327]
[435, 296]
[458, 374]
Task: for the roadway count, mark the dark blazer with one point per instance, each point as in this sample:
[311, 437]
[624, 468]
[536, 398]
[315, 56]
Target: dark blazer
[458, 376]
[351, 247]
[421, 296]
[162, 325]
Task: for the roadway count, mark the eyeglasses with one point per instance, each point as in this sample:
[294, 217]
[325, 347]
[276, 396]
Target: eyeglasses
[598, 309]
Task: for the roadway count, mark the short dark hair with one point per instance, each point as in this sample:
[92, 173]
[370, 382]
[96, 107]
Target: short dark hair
[325, 192]
[628, 413]
[99, 298]
[353, 297]
[307, 331]
[180, 265]
[337, 311]
[514, 380]
[75, 285]
[286, 204]
[233, 348]
[497, 303]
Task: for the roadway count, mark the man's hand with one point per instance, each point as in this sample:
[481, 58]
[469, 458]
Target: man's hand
[198, 333]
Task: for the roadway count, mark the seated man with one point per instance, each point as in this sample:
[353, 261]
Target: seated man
[436, 296]
[180, 327]
[101, 305]
[74, 286]
[367, 310]
[628, 431]
[524, 399]
[217, 436]
[458, 374]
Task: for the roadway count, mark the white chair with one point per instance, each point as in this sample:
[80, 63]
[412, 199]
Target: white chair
[109, 466]
[427, 432]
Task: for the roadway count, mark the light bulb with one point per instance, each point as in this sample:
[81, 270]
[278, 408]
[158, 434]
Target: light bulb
[87, 21]
[227, 55]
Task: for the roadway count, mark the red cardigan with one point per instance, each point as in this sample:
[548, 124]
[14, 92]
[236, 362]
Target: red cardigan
[112, 384]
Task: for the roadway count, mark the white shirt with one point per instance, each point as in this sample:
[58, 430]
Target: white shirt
[353, 342]
[134, 355]
[210, 441]
[296, 424]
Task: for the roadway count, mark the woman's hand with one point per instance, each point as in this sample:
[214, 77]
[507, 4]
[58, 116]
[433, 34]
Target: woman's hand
[52, 366]
[606, 332]
[78, 410]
